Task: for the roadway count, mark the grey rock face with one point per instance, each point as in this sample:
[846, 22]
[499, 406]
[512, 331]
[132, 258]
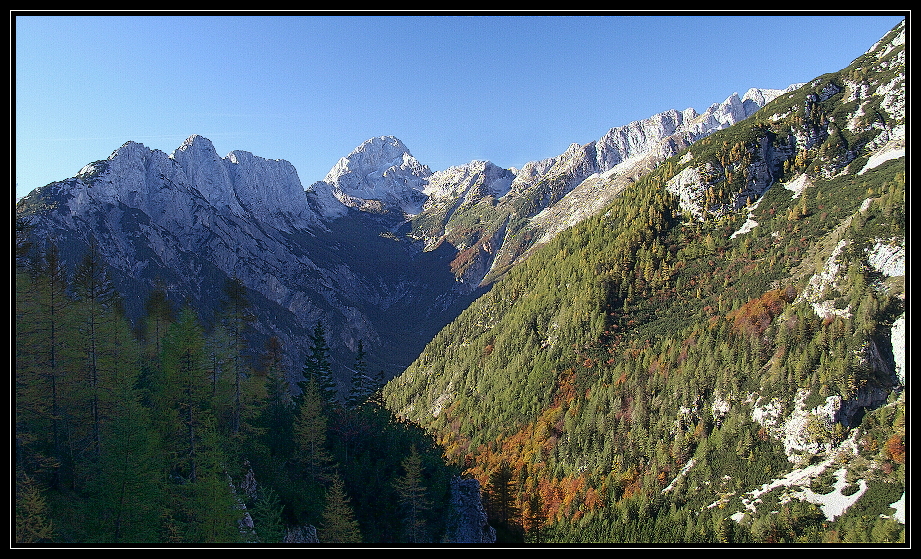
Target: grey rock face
[194, 219]
[471, 525]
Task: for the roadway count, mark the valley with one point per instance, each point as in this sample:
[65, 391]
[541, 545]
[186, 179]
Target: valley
[691, 330]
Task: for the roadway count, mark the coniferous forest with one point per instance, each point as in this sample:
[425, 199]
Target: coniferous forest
[175, 431]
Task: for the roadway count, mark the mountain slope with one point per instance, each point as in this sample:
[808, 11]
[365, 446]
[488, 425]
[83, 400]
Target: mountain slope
[192, 220]
[380, 244]
[714, 346]
[497, 228]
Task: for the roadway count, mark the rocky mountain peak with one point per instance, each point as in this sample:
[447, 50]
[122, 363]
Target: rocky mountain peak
[379, 176]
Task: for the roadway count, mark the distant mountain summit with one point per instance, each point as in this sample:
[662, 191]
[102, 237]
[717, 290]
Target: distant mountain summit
[378, 176]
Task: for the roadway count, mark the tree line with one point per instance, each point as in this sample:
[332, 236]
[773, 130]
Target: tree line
[169, 430]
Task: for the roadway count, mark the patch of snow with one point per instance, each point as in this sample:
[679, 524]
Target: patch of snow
[898, 347]
[749, 224]
[687, 467]
[881, 157]
[899, 514]
[798, 185]
[834, 504]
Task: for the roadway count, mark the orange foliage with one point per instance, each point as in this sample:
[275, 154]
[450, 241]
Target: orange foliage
[756, 315]
[566, 498]
[895, 448]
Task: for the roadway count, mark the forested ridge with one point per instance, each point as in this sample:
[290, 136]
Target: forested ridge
[636, 345]
[631, 378]
[175, 431]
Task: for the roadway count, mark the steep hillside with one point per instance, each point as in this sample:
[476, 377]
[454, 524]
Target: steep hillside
[716, 356]
[498, 216]
[191, 221]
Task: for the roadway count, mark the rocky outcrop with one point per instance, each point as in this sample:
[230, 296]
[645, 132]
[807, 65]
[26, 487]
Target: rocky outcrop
[378, 176]
[302, 534]
[193, 219]
[470, 523]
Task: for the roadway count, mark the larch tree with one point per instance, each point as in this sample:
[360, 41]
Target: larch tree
[237, 317]
[339, 524]
[413, 497]
[311, 457]
[95, 328]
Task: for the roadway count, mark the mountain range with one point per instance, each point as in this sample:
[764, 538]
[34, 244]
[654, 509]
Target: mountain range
[379, 239]
[689, 320]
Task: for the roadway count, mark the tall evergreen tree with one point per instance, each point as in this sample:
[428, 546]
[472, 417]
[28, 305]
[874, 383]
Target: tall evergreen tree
[267, 516]
[31, 516]
[159, 314]
[317, 366]
[412, 495]
[47, 341]
[126, 493]
[311, 457]
[94, 312]
[278, 412]
[361, 384]
[339, 524]
[501, 496]
[183, 393]
[237, 317]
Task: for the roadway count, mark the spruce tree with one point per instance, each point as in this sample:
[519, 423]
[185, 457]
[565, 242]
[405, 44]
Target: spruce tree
[501, 490]
[267, 516]
[361, 385]
[318, 367]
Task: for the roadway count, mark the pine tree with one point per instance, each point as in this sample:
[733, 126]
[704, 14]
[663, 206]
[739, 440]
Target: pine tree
[413, 497]
[339, 524]
[318, 368]
[361, 385]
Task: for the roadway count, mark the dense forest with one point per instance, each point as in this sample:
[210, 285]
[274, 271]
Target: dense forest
[170, 431]
[622, 375]
[592, 371]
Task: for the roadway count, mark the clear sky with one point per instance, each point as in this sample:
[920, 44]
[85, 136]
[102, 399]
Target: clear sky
[309, 88]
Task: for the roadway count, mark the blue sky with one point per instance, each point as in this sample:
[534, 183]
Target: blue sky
[310, 88]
